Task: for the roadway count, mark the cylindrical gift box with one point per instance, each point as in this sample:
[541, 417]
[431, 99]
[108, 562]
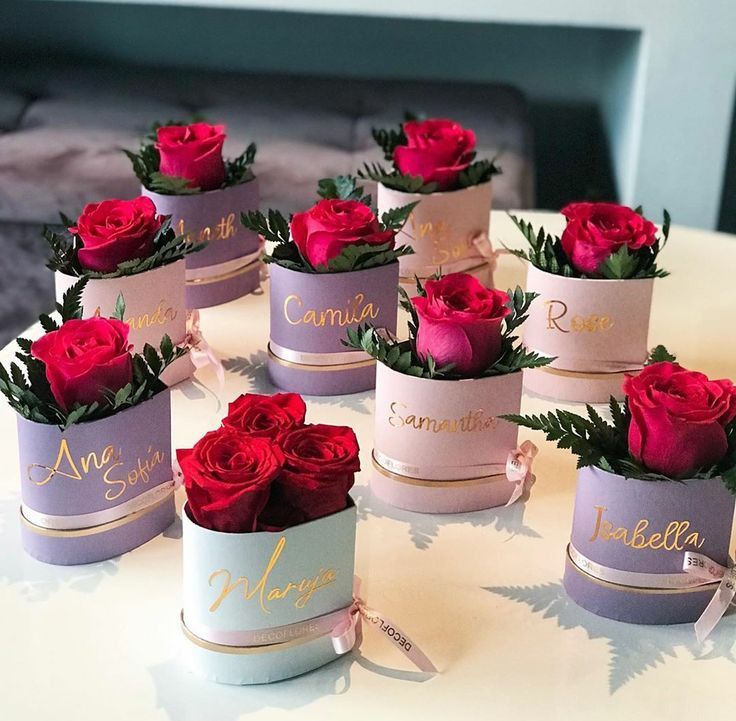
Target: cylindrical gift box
[261, 607]
[596, 330]
[439, 446]
[442, 230]
[96, 489]
[310, 316]
[628, 544]
[229, 266]
[154, 307]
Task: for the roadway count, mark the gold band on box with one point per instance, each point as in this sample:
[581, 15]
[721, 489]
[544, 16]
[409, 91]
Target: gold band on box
[93, 530]
[315, 368]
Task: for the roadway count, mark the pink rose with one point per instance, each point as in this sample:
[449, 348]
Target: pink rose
[460, 322]
[436, 150]
[595, 231]
[193, 152]
[326, 229]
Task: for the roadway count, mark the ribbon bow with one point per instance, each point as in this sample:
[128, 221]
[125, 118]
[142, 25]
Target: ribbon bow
[484, 246]
[700, 566]
[344, 635]
[200, 351]
[519, 469]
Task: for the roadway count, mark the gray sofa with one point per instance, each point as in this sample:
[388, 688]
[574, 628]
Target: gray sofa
[62, 125]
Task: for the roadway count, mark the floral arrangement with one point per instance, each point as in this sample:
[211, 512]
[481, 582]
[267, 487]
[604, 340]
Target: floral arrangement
[116, 238]
[177, 158]
[458, 329]
[428, 156]
[340, 233]
[83, 370]
[600, 240]
[265, 469]
[674, 424]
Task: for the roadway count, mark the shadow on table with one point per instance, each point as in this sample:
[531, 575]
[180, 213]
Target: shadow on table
[37, 581]
[425, 527]
[180, 693]
[254, 368]
[634, 648]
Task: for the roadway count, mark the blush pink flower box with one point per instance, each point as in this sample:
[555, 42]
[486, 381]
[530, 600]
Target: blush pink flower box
[154, 307]
[439, 446]
[442, 230]
[97, 489]
[597, 330]
[262, 607]
[229, 267]
[310, 315]
[644, 527]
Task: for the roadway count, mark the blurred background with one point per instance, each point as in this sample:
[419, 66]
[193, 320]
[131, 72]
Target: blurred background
[629, 101]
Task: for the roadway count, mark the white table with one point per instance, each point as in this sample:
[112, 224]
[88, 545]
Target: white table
[480, 592]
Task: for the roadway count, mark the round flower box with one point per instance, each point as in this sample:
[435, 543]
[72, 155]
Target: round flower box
[229, 267]
[628, 544]
[262, 607]
[442, 230]
[596, 329]
[310, 314]
[154, 307]
[99, 488]
[439, 446]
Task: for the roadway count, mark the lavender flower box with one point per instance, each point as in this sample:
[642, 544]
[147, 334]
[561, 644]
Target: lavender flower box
[644, 527]
[97, 489]
[310, 315]
[229, 267]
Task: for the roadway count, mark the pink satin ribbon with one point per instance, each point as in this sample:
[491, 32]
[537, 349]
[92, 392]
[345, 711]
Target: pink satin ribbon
[519, 469]
[703, 567]
[345, 633]
[484, 246]
[200, 351]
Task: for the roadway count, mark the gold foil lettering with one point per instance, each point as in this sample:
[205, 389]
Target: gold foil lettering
[557, 309]
[160, 316]
[223, 229]
[303, 589]
[676, 535]
[473, 421]
[355, 312]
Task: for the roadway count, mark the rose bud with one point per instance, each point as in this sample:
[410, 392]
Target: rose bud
[266, 416]
[325, 230]
[595, 231]
[193, 152]
[228, 476]
[436, 150]
[678, 419]
[460, 323]
[85, 360]
[115, 231]
[319, 469]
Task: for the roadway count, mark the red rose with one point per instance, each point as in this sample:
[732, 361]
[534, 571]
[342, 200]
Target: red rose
[193, 152]
[115, 231]
[228, 476]
[595, 231]
[436, 150]
[460, 322]
[319, 469]
[678, 418]
[327, 228]
[266, 416]
[85, 360]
